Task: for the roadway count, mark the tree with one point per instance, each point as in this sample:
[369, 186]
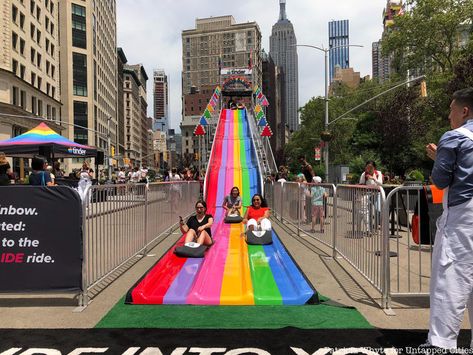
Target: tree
[427, 37]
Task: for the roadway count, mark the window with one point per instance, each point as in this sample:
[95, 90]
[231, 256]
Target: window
[38, 37]
[14, 40]
[48, 66]
[79, 74]
[79, 37]
[22, 46]
[48, 111]
[48, 88]
[14, 99]
[33, 55]
[40, 108]
[53, 71]
[32, 31]
[33, 78]
[40, 82]
[53, 92]
[38, 13]
[52, 29]
[53, 113]
[80, 119]
[14, 66]
[32, 6]
[23, 99]
[52, 50]
[22, 20]
[34, 105]
[51, 7]
[38, 59]
[47, 45]
[14, 13]
[22, 71]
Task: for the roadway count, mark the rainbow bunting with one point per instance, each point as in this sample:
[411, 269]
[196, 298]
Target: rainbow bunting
[260, 115]
[199, 130]
[210, 108]
[207, 114]
[255, 89]
[258, 108]
[262, 122]
[265, 102]
[203, 121]
[266, 132]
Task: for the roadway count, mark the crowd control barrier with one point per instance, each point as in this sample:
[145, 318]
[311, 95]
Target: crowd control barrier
[371, 231]
[124, 221]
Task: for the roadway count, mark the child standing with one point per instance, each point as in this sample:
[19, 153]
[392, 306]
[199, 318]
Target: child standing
[318, 194]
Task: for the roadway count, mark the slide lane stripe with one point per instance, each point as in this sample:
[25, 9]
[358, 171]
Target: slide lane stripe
[266, 291]
[236, 284]
[208, 283]
[212, 179]
[292, 284]
[237, 288]
[157, 281]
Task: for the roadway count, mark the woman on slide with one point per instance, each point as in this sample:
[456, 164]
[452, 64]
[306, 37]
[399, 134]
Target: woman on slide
[232, 202]
[257, 215]
[197, 228]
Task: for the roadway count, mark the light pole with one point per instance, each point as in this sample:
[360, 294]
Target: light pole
[326, 124]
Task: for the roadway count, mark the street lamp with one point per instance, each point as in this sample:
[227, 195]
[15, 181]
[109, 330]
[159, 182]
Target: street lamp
[326, 51]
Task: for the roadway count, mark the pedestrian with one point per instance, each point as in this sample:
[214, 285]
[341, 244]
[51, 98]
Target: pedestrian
[451, 284]
[306, 169]
[318, 195]
[5, 170]
[39, 176]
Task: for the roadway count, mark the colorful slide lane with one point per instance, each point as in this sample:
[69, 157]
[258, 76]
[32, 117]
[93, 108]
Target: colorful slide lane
[232, 272]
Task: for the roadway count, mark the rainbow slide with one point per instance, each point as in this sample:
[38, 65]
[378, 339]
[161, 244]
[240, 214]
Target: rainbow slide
[232, 272]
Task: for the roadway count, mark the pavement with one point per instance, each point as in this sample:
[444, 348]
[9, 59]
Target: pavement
[334, 278]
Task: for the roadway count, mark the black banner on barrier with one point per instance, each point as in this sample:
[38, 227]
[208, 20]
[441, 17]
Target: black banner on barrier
[40, 238]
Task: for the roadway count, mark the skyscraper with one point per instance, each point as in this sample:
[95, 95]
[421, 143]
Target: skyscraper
[338, 36]
[29, 63]
[88, 65]
[161, 100]
[283, 51]
[382, 68]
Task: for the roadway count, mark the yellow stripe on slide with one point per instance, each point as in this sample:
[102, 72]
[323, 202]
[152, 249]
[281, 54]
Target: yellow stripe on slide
[237, 288]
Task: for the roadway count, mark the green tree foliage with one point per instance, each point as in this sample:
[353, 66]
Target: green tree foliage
[427, 37]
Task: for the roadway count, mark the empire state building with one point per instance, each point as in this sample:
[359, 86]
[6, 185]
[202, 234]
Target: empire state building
[283, 51]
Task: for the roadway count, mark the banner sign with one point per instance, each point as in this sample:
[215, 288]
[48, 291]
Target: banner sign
[317, 153]
[40, 239]
[235, 71]
[285, 341]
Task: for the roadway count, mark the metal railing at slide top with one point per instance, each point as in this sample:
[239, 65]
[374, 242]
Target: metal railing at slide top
[370, 230]
[125, 221]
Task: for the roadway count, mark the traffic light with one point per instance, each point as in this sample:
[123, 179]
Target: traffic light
[423, 88]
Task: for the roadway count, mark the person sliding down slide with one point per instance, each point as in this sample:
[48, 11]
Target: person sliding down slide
[197, 228]
[232, 203]
[257, 216]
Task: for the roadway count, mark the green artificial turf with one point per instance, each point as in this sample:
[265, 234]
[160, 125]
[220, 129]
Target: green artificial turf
[321, 316]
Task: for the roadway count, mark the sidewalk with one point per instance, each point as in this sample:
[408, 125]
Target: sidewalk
[335, 279]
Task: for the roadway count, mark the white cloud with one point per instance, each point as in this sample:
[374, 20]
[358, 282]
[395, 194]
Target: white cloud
[149, 31]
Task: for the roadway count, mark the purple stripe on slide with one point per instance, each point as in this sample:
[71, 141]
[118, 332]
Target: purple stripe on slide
[177, 293]
[208, 284]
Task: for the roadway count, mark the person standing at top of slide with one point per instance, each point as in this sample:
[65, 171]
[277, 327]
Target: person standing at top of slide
[451, 284]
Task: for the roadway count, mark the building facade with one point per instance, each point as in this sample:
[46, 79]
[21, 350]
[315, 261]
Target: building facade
[382, 65]
[283, 51]
[215, 43]
[161, 100]
[338, 36]
[29, 64]
[88, 65]
[273, 87]
[137, 123]
[121, 61]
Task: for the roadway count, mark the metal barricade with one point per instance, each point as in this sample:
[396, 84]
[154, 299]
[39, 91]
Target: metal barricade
[359, 230]
[408, 262]
[370, 231]
[123, 221]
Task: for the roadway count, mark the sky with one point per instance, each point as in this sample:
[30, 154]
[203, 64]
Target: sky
[149, 32]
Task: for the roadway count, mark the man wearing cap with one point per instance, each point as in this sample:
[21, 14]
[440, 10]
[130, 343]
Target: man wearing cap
[318, 194]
